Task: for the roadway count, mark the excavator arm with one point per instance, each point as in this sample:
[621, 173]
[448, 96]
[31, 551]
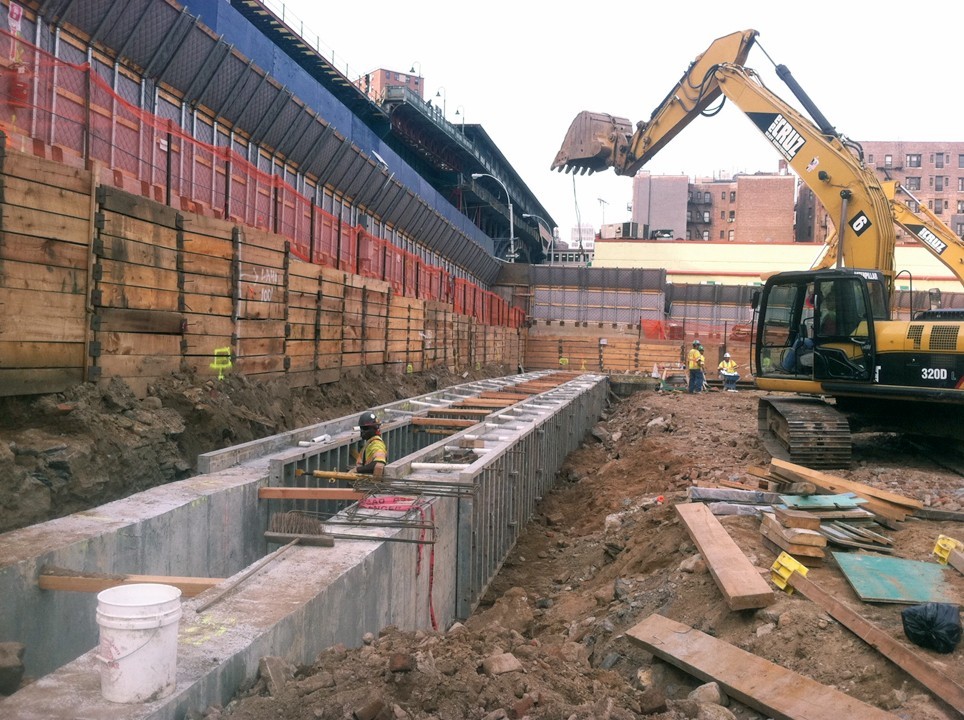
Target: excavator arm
[596, 141]
[930, 230]
[849, 191]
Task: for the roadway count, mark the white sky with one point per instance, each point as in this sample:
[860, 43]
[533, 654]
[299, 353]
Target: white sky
[523, 70]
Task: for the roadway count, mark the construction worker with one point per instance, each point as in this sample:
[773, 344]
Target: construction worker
[694, 363]
[372, 458]
[728, 373]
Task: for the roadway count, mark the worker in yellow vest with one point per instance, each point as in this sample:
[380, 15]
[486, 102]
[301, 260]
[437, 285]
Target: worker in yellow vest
[372, 458]
[728, 373]
[694, 363]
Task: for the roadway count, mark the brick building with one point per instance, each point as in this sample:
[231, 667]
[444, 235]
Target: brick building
[932, 171]
[373, 83]
[746, 208]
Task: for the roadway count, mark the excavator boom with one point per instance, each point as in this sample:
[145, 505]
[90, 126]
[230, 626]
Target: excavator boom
[596, 141]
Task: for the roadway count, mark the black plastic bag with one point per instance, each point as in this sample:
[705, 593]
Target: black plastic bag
[935, 626]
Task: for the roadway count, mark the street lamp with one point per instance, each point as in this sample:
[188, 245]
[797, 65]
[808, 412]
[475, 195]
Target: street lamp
[418, 79]
[511, 256]
[460, 113]
[551, 234]
[440, 93]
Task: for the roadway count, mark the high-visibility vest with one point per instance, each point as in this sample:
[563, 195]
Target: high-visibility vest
[695, 359]
[728, 366]
[375, 450]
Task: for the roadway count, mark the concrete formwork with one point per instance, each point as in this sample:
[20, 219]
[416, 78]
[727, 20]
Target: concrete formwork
[307, 599]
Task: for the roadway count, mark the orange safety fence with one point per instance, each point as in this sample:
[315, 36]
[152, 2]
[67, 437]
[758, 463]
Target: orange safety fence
[68, 112]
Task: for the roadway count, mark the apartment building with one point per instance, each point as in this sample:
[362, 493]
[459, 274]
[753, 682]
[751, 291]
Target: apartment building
[746, 208]
[932, 172]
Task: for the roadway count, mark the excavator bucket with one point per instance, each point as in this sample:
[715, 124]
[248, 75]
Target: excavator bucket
[595, 141]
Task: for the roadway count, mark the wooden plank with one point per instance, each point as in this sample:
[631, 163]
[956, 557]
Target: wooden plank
[116, 343]
[137, 253]
[839, 485]
[844, 538]
[46, 172]
[738, 580]
[44, 224]
[52, 253]
[158, 322]
[294, 493]
[927, 674]
[189, 586]
[442, 422]
[764, 686]
[782, 543]
[38, 381]
[797, 536]
[41, 355]
[51, 199]
[114, 200]
[120, 232]
[42, 278]
[796, 518]
[806, 560]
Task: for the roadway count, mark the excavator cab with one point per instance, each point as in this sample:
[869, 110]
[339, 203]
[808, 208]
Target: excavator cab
[819, 326]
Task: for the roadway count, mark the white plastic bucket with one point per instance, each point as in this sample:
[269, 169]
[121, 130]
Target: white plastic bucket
[138, 641]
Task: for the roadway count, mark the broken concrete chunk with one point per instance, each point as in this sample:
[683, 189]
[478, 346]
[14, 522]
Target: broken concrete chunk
[275, 673]
[710, 692]
[501, 664]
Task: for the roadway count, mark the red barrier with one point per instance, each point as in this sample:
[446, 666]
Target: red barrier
[70, 112]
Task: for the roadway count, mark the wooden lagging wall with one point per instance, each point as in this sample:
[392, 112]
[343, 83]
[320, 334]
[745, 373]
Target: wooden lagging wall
[618, 354]
[96, 283]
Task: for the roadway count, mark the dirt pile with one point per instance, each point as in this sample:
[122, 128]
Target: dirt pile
[71, 451]
[606, 551]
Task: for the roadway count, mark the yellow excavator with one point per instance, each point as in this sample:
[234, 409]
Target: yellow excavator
[825, 342]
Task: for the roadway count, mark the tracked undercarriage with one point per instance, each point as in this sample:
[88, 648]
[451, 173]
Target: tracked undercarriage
[805, 431]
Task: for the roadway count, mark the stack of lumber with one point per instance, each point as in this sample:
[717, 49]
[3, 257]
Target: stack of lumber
[888, 507]
[794, 532]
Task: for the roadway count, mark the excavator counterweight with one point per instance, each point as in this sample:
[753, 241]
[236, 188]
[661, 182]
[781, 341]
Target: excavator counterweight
[594, 142]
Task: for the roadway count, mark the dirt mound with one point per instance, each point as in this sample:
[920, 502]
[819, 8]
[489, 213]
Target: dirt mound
[67, 452]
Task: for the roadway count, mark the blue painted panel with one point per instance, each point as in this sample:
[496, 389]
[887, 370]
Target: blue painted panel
[224, 20]
[878, 578]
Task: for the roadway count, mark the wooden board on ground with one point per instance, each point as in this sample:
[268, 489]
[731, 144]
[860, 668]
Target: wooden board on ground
[877, 578]
[738, 580]
[835, 484]
[798, 536]
[794, 549]
[796, 518]
[804, 560]
[767, 688]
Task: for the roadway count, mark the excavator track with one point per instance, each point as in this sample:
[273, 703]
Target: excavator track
[805, 431]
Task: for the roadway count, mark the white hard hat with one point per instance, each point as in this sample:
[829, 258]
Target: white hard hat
[726, 354]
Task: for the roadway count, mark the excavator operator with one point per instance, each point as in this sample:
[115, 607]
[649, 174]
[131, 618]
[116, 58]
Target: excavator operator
[372, 458]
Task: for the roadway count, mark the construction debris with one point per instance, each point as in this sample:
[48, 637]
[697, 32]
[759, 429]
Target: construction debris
[757, 683]
[790, 575]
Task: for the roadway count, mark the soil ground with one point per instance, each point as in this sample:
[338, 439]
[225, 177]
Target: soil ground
[605, 551]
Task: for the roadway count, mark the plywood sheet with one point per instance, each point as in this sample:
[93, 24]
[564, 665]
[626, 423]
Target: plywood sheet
[876, 578]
